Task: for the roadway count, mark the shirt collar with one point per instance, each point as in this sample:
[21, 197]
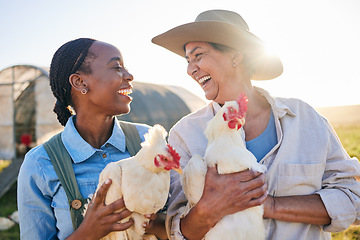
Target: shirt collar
[80, 150]
[279, 108]
[216, 107]
[117, 138]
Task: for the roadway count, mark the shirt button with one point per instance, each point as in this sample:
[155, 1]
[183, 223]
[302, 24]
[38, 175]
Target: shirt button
[76, 204]
[104, 155]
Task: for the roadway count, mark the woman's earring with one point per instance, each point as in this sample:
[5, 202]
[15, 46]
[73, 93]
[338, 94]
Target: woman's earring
[234, 64]
[83, 91]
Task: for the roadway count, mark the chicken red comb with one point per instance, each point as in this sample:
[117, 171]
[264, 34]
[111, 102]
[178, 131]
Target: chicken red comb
[174, 154]
[242, 101]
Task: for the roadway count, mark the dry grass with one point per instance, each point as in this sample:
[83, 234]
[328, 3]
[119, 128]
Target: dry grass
[342, 115]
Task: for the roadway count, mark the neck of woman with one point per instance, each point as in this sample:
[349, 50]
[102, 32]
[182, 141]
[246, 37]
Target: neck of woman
[94, 130]
[257, 115]
[258, 111]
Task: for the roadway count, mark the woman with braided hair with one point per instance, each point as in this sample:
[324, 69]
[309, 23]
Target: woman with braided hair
[91, 86]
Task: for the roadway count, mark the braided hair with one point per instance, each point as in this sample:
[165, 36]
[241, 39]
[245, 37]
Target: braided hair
[68, 59]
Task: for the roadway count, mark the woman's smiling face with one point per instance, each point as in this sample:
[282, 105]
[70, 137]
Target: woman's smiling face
[109, 81]
[211, 68]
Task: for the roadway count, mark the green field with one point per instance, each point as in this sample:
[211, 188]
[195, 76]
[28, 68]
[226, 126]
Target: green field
[349, 137]
[7, 207]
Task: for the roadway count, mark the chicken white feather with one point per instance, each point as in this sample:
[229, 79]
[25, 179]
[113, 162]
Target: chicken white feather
[143, 181]
[193, 181]
[227, 151]
[6, 223]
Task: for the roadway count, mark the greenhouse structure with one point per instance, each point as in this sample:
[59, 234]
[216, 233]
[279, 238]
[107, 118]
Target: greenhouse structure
[26, 107]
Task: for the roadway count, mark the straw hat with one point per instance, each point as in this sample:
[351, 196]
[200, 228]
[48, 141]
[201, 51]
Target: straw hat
[226, 28]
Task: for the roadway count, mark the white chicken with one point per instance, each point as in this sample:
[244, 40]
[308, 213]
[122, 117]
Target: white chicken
[226, 149]
[142, 180]
[6, 223]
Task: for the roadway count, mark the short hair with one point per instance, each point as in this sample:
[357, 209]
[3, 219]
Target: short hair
[68, 59]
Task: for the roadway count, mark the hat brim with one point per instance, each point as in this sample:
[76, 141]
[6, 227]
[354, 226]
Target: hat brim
[266, 66]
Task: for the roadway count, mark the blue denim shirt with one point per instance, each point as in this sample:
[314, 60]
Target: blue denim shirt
[42, 202]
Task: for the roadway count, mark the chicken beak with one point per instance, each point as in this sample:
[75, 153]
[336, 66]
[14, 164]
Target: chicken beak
[179, 171]
[241, 122]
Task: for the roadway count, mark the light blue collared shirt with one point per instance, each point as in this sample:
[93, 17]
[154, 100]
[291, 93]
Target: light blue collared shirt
[42, 202]
[307, 159]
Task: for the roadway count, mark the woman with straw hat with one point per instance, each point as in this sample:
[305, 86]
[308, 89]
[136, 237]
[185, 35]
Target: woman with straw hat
[309, 189]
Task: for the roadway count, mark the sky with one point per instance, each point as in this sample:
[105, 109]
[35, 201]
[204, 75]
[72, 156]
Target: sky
[318, 41]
